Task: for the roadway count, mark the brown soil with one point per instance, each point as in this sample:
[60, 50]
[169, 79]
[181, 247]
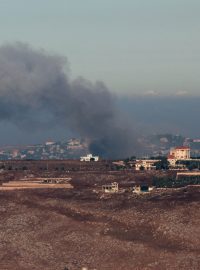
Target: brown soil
[53, 229]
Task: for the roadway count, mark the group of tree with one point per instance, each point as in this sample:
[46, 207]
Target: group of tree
[189, 164]
[172, 182]
[163, 164]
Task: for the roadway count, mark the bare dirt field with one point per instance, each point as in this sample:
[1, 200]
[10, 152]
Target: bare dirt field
[51, 229]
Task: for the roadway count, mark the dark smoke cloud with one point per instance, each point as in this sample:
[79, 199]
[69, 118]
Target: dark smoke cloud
[36, 92]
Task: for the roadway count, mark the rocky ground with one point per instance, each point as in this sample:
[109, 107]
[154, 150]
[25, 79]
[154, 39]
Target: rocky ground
[54, 229]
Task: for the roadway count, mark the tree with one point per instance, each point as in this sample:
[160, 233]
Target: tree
[141, 168]
[163, 164]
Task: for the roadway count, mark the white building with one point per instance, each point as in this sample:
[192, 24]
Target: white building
[89, 157]
[49, 143]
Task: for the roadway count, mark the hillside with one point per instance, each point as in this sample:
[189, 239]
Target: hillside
[54, 229]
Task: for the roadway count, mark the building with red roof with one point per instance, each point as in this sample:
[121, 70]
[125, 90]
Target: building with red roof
[179, 153]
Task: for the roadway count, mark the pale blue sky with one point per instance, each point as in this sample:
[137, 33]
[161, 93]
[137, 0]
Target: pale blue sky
[134, 46]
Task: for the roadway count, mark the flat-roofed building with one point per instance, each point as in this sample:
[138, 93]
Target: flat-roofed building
[180, 152]
[110, 188]
[89, 157]
[145, 164]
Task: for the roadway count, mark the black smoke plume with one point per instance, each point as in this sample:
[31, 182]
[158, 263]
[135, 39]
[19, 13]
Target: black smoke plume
[36, 92]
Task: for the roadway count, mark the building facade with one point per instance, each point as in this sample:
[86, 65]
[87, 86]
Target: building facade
[89, 157]
[145, 164]
[180, 153]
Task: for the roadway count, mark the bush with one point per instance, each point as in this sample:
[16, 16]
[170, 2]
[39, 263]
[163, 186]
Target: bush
[172, 182]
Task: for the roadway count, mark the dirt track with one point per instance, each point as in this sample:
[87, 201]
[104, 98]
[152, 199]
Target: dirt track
[51, 229]
[16, 185]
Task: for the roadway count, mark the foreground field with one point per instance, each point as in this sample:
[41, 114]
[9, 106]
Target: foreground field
[54, 229]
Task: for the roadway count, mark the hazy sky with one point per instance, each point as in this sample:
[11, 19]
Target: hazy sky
[141, 47]
[134, 46]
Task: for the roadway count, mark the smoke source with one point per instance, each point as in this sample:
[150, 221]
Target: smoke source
[36, 92]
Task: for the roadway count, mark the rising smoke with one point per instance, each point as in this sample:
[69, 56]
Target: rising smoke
[36, 92]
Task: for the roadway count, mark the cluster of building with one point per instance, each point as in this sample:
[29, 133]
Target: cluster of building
[138, 189]
[179, 153]
[72, 148]
[160, 144]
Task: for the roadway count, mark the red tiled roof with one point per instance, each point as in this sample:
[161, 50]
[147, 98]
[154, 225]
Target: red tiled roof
[170, 157]
[182, 147]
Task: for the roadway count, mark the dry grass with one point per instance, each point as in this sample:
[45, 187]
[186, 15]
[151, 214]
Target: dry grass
[54, 228]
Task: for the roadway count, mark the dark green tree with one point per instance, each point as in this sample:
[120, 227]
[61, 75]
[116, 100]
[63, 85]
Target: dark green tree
[163, 164]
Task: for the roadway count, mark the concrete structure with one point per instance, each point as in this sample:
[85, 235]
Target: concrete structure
[142, 189]
[189, 174]
[111, 188]
[119, 163]
[76, 144]
[180, 153]
[49, 143]
[89, 157]
[172, 160]
[145, 164]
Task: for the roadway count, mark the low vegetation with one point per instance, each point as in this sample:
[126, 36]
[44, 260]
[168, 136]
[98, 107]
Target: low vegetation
[172, 182]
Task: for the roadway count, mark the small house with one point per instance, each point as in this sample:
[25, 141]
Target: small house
[110, 188]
